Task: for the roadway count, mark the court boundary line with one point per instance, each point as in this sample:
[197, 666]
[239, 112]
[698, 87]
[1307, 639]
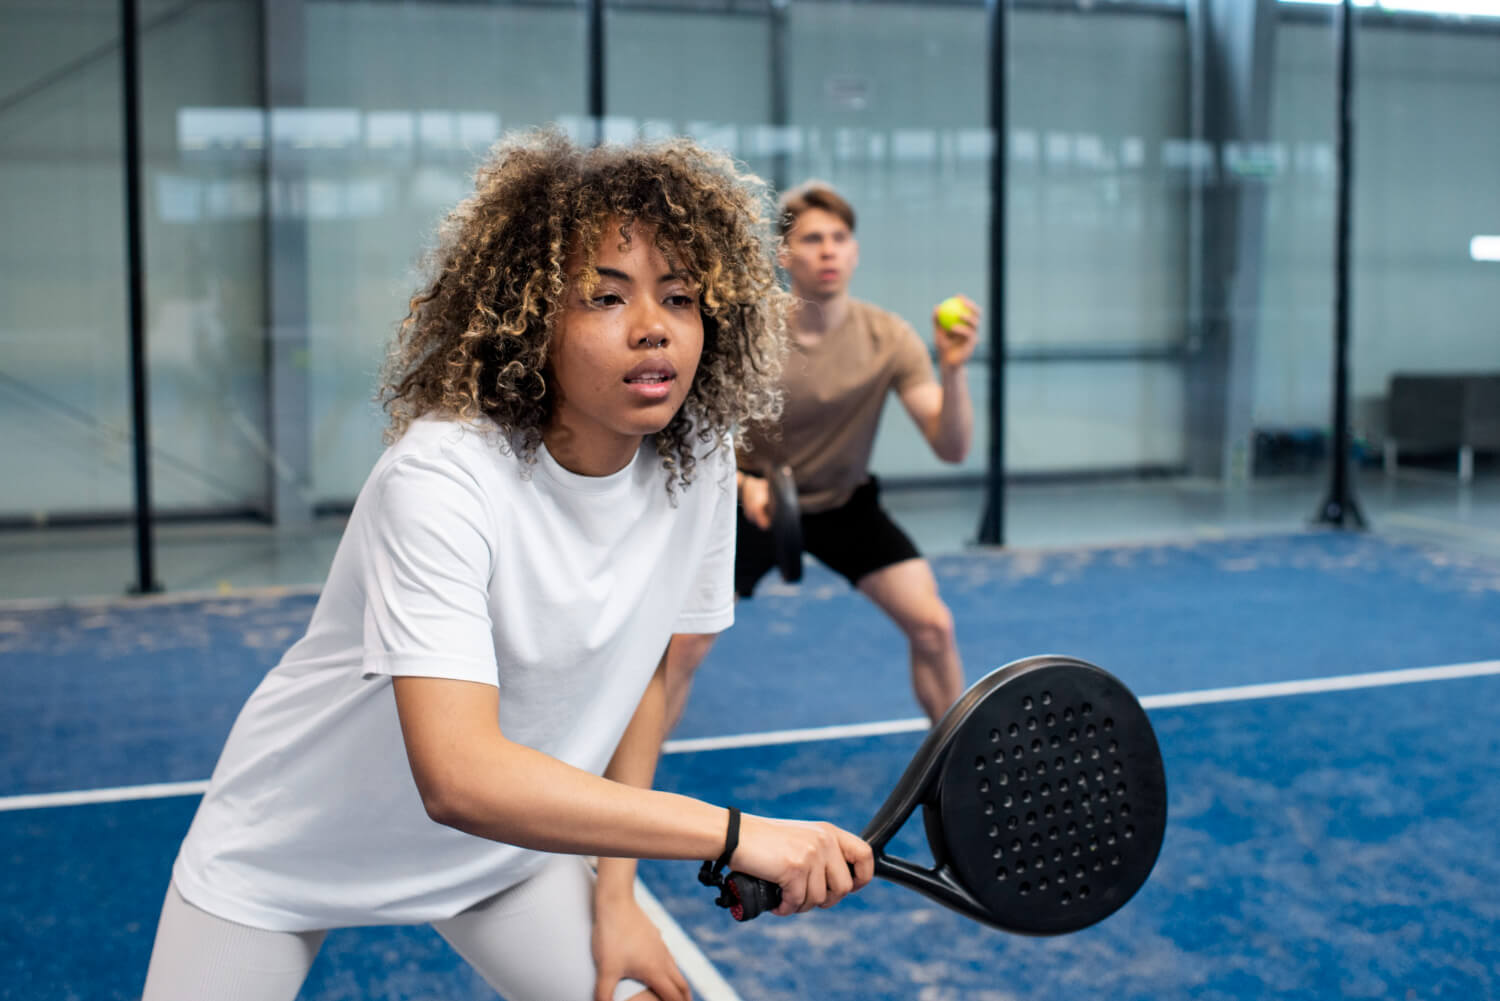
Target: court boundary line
[1204, 696]
[808, 735]
[706, 980]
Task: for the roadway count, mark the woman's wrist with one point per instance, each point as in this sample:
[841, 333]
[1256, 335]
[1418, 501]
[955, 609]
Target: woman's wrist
[615, 879]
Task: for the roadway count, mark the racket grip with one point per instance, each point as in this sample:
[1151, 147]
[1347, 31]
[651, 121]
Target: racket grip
[746, 896]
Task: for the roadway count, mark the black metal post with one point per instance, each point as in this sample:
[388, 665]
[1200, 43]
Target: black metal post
[145, 549]
[992, 521]
[1339, 508]
[596, 67]
[781, 115]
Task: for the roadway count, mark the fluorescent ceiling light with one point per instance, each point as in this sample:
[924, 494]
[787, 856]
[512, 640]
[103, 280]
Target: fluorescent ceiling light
[1485, 248]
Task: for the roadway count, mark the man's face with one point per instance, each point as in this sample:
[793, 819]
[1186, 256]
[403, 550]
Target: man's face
[819, 254]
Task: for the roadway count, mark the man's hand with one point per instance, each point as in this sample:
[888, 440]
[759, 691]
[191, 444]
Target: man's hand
[755, 498]
[627, 944]
[955, 345]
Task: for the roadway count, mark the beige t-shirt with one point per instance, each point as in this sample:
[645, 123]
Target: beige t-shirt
[835, 391]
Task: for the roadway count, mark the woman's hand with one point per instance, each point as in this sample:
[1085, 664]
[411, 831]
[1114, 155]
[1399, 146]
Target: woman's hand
[627, 944]
[815, 864]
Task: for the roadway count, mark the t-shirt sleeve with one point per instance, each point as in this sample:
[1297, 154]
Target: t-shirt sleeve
[709, 607]
[427, 609]
[911, 361]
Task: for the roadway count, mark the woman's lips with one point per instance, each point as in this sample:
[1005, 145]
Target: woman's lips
[651, 379]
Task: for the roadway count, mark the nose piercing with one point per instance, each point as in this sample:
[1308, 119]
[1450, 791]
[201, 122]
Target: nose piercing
[651, 343]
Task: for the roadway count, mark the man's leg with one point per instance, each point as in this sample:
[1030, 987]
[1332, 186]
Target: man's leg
[907, 592]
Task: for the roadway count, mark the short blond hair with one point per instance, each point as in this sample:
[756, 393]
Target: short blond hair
[812, 194]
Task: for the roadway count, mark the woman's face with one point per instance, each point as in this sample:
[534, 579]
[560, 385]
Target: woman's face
[623, 356]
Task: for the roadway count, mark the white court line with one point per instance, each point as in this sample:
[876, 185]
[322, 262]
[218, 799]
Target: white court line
[1239, 693]
[1310, 686]
[805, 736]
[705, 979]
[1207, 696]
[119, 794]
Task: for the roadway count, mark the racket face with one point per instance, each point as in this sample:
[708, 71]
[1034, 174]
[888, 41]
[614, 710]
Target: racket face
[1053, 797]
[786, 525]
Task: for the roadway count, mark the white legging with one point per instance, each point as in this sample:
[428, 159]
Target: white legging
[530, 942]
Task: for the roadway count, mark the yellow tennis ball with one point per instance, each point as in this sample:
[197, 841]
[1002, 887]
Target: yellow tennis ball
[950, 312]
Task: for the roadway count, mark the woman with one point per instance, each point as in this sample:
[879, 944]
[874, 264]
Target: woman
[479, 699]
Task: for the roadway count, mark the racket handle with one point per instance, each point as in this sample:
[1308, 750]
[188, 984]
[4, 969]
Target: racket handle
[747, 896]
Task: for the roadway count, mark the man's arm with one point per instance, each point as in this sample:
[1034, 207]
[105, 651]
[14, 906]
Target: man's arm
[944, 414]
[943, 410]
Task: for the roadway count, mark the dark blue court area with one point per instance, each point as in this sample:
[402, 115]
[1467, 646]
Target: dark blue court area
[1321, 843]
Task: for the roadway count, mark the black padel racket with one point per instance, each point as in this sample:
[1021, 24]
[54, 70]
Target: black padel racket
[786, 524]
[1043, 796]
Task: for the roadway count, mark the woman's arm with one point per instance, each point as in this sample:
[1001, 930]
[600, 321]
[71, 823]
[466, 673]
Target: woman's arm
[471, 777]
[634, 764]
[625, 942]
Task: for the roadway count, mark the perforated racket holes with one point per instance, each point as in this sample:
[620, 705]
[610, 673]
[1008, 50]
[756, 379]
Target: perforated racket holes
[1090, 799]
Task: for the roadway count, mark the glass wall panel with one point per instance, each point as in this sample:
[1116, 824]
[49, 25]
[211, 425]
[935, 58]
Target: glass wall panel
[64, 339]
[699, 71]
[64, 394]
[420, 91]
[203, 212]
[1425, 337]
[1292, 367]
[1170, 240]
[888, 102]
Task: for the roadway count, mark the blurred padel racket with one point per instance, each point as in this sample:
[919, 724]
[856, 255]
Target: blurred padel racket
[786, 524]
[1043, 796]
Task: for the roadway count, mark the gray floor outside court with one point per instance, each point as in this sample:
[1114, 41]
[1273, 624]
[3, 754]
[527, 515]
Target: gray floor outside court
[1419, 504]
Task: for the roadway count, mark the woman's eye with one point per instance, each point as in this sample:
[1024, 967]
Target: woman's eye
[606, 299]
[681, 301]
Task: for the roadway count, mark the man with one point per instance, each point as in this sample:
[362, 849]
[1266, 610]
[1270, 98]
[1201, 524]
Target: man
[846, 356]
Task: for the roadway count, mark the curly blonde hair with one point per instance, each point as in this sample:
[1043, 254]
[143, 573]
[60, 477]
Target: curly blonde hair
[475, 339]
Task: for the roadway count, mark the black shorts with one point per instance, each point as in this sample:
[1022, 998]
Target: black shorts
[853, 540]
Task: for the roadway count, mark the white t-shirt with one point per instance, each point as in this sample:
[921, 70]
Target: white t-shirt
[460, 560]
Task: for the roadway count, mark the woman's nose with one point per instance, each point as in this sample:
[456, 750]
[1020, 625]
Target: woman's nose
[650, 327]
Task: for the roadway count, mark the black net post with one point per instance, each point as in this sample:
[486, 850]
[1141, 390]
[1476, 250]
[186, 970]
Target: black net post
[992, 520]
[1339, 508]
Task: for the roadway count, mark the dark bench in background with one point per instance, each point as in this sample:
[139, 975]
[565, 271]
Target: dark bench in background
[1443, 413]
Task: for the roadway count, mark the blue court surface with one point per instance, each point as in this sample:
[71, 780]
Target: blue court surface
[1333, 809]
